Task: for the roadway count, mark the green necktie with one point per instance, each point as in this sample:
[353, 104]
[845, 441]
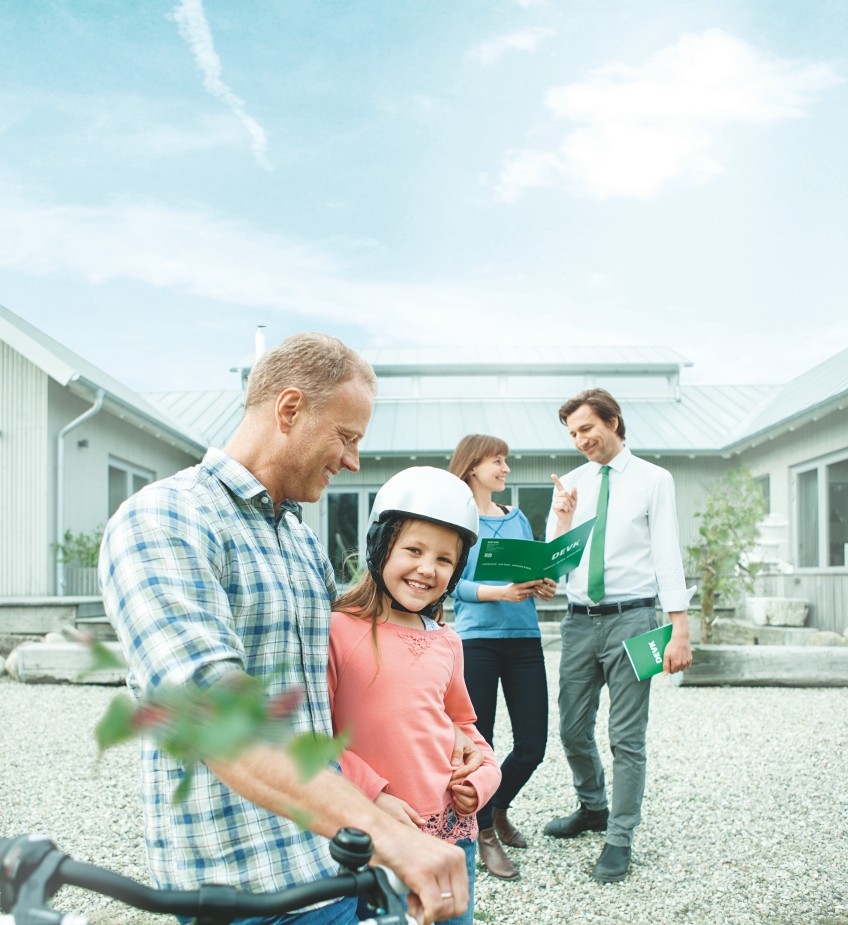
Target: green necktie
[596, 551]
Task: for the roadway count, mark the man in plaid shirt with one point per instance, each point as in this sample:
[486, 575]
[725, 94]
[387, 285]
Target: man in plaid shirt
[211, 572]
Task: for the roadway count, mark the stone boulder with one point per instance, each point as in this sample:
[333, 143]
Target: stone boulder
[776, 611]
[12, 664]
[827, 638]
[61, 662]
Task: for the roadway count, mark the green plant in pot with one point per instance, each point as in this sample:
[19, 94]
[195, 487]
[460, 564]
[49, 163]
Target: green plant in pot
[727, 535]
[78, 553]
[82, 549]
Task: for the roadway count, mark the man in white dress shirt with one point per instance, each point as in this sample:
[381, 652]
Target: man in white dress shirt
[636, 561]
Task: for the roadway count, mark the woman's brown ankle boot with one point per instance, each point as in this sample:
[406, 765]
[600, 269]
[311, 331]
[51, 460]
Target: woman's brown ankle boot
[494, 857]
[506, 831]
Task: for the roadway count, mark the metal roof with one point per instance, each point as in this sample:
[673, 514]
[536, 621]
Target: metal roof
[405, 361]
[803, 396]
[84, 380]
[704, 420]
[698, 423]
[215, 414]
[464, 360]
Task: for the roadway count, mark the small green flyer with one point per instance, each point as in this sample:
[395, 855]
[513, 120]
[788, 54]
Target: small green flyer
[646, 651]
[527, 560]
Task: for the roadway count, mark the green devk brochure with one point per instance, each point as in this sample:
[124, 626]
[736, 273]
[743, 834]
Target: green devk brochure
[646, 651]
[527, 560]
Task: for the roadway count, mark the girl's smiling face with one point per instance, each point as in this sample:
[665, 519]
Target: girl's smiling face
[421, 563]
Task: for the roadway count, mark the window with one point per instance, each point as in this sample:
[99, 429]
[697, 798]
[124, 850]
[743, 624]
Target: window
[535, 502]
[837, 509]
[821, 504]
[125, 479]
[763, 482]
[345, 527]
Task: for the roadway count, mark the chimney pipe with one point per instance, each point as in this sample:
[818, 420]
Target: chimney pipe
[259, 341]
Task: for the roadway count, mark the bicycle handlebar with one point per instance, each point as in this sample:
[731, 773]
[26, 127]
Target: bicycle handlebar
[32, 869]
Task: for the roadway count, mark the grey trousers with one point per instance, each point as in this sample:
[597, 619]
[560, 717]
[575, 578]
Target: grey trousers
[592, 655]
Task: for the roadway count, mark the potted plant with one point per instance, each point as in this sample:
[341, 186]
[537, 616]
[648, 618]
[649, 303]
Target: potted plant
[728, 534]
[79, 553]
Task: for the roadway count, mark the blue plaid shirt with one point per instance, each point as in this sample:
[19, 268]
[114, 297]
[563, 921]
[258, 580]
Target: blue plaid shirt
[200, 578]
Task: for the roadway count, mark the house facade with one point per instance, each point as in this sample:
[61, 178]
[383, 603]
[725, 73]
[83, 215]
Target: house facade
[793, 437]
[74, 443]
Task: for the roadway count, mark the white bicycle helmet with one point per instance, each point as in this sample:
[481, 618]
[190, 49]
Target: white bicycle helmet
[421, 493]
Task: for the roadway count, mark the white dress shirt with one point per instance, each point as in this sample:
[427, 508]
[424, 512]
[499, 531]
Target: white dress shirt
[642, 544]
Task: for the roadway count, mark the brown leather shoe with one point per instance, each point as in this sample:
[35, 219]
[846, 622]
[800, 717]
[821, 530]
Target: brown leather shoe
[494, 857]
[506, 831]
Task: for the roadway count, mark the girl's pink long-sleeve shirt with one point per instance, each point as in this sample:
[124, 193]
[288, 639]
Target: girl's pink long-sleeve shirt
[400, 711]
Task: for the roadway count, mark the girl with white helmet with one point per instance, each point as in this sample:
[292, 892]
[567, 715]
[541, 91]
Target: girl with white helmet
[396, 672]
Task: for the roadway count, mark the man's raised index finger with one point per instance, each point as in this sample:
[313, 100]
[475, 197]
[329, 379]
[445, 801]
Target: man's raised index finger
[557, 483]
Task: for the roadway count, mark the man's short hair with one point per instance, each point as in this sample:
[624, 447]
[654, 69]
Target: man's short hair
[317, 364]
[601, 402]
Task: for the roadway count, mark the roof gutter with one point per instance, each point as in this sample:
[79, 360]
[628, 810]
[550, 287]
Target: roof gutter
[125, 411]
[60, 484]
[780, 428]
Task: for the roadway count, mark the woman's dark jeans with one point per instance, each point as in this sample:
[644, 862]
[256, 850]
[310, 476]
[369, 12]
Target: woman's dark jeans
[519, 666]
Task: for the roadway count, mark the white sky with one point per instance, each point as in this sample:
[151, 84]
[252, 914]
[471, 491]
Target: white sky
[594, 171]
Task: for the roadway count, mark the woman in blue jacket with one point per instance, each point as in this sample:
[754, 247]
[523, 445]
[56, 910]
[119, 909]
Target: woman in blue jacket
[501, 641]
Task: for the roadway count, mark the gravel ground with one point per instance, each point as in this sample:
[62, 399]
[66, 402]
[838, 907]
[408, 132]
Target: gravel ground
[745, 812]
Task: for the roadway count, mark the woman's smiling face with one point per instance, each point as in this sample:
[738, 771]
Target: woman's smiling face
[491, 473]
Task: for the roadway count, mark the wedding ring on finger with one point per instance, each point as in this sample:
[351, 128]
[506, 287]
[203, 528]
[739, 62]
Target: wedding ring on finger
[446, 895]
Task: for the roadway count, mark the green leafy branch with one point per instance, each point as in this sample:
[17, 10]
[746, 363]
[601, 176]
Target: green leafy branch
[196, 724]
[728, 534]
[81, 549]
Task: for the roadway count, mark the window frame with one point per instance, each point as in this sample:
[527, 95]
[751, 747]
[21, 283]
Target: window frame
[820, 467]
[364, 494]
[130, 471]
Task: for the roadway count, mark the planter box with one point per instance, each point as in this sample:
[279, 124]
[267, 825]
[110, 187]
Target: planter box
[777, 611]
[767, 666]
[81, 580]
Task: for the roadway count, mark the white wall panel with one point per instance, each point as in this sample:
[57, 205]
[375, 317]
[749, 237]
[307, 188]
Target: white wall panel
[24, 504]
[87, 466]
[777, 457]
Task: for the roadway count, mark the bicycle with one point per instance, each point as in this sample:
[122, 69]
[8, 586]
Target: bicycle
[32, 870]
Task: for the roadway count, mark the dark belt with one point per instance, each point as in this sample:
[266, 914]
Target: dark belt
[604, 610]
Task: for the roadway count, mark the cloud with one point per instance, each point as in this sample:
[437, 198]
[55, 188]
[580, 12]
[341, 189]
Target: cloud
[191, 256]
[491, 50]
[194, 28]
[115, 122]
[200, 254]
[640, 128]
